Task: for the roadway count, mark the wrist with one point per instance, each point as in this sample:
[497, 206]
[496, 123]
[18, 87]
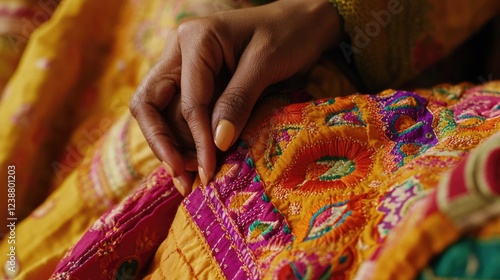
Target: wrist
[325, 18]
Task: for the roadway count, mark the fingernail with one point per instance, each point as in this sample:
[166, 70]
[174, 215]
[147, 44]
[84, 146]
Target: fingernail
[224, 135]
[168, 168]
[203, 175]
[179, 186]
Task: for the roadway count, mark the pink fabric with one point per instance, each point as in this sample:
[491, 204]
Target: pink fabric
[122, 242]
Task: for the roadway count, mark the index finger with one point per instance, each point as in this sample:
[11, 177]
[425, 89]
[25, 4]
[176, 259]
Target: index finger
[202, 60]
[152, 97]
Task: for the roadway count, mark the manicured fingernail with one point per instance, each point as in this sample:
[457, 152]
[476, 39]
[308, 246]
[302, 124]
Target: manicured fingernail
[168, 168]
[179, 186]
[203, 175]
[224, 135]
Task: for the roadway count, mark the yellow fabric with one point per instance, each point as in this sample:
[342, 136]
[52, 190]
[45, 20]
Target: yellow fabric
[194, 261]
[18, 19]
[61, 75]
[44, 87]
[61, 63]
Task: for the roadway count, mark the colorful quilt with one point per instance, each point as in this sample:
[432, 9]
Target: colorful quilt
[360, 187]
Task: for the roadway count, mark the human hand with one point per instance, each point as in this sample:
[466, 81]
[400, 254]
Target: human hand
[200, 94]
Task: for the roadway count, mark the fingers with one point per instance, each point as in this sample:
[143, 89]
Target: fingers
[202, 60]
[234, 106]
[184, 182]
[146, 106]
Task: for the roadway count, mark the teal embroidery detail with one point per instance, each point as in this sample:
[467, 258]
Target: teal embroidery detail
[417, 148]
[286, 229]
[327, 102]
[342, 259]
[258, 229]
[352, 117]
[405, 131]
[296, 272]
[475, 120]
[447, 124]
[339, 167]
[327, 218]
[250, 162]
[265, 198]
[256, 178]
[468, 116]
[442, 91]
[278, 141]
[404, 102]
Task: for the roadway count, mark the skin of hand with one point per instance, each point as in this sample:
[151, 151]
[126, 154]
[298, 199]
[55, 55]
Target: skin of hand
[200, 94]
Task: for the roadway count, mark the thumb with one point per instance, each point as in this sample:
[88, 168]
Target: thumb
[233, 108]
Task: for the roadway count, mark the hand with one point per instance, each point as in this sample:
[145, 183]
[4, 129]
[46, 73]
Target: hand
[200, 94]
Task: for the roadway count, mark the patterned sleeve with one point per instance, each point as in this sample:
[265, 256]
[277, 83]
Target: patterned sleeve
[391, 41]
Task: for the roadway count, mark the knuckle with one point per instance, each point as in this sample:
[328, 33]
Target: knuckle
[259, 56]
[238, 98]
[202, 31]
[151, 137]
[187, 28]
[197, 28]
[156, 139]
[187, 110]
[135, 104]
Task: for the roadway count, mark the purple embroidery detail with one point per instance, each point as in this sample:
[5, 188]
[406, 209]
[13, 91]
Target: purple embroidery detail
[396, 204]
[408, 121]
[239, 225]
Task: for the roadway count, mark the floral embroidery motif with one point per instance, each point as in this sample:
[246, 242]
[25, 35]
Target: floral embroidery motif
[239, 201]
[339, 167]
[279, 141]
[351, 117]
[327, 218]
[407, 117]
[259, 229]
[359, 165]
[328, 164]
[332, 219]
[397, 203]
